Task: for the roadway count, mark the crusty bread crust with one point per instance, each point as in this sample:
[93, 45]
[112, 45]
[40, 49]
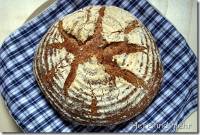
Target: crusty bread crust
[98, 66]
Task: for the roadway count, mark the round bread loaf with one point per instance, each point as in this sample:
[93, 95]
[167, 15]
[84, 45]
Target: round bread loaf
[98, 66]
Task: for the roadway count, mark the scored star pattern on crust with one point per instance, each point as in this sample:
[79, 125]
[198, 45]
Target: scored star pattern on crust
[102, 50]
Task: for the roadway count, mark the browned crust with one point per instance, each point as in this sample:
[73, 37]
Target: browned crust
[134, 24]
[104, 56]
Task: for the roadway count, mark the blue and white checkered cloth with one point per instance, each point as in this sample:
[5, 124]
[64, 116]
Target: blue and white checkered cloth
[176, 100]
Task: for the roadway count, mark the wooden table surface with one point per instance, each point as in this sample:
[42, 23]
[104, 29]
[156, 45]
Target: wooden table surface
[181, 13]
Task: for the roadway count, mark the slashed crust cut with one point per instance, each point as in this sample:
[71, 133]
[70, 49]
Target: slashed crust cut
[98, 66]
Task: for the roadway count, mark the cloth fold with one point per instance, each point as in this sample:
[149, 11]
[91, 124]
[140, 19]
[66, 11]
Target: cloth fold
[176, 99]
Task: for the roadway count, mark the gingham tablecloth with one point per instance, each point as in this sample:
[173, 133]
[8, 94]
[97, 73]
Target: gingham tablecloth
[28, 106]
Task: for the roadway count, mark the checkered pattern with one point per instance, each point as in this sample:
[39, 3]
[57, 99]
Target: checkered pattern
[28, 106]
